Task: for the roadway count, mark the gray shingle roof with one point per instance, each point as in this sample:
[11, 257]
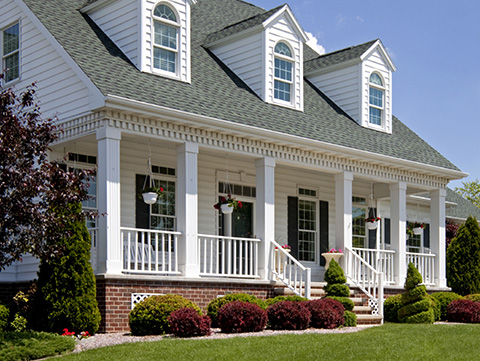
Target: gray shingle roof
[215, 91]
[464, 207]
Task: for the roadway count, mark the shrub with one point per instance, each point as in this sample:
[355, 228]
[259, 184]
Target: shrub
[186, 322]
[463, 311]
[150, 317]
[436, 307]
[4, 313]
[326, 313]
[390, 308]
[66, 291]
[463, 259]
[443, 299]
[293, 298]
[347, 303]
[215, 305]
[238, 316]
[288, 315]
[335, 279]
[337, 290]
[474, 297]
[350, 319]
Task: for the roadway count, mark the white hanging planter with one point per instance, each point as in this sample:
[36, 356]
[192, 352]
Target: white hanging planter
[150, 197]
[372, 225]
[226, 209]
[417, 230]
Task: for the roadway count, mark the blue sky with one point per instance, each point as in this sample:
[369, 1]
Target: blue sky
[435, 47]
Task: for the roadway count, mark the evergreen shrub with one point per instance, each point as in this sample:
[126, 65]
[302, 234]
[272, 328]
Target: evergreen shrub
[473, 297]
[238, 316]
[390, 308]
[347, 303]
[215, 305]
[443, 299]
[463, 311]
[288, 315]
[326, 313]
[294, 298]
[350, 319]
[336, 279]
[4, 313]
[150, 317]
[186, 322]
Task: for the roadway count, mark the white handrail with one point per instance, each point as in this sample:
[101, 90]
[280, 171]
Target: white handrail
[365, 277]
[425, 263]
[222, 256]
[149, 251]
[380, 260]
[289, 271]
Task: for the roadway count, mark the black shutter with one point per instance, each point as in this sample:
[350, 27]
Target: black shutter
[426, 236]
[372, 233]
[142, 210]
[387, 230]
[323, 207]
[292, 224]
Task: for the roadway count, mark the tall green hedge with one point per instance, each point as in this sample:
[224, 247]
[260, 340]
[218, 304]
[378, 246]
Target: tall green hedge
[463, 259]
[66, 291]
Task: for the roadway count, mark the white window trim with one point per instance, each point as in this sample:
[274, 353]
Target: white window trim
[291, 82]
[315, 200]
[370, 105]
[167, 178]
[3, 56]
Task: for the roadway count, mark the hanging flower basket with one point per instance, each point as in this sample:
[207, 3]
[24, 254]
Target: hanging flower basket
[226, 208]
[372, 222]
[151, 194]
[417, 230]
[227, 204]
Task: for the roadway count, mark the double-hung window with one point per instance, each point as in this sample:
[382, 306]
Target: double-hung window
[283, 76]
[165, 41]
[376, 99]
[307, 225]
[359, 213]
[10, 52]
[162, 214]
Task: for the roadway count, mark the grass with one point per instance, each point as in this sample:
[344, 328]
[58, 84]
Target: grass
[388, 342]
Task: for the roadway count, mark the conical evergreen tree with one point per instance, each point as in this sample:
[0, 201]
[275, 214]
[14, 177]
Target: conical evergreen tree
[66, 291]
[463, 259]
[335, 279]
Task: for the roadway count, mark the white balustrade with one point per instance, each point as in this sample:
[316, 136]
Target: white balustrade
[425, 263]
[149, 251]
[93, 249]
[222, 256]
[380, 260]
[289, 271]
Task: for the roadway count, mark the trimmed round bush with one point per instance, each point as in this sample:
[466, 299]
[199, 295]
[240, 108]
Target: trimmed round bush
[350, 319]
[293, 298]
[238, 316]
[215, 305]
[186, 322]
[473, 297]
[443, 299]
[436, 307]
[326, 313]
[4, 313]
[150, 317]
[334, 274]
[347, 303]
[337, 290]
[465, 311]
[288, 315]
[413, 308]
[422, 317]
[390, 308]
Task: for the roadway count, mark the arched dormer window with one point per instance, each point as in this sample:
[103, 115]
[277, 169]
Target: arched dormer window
[165, 41]
[376, 96]
[283, 78]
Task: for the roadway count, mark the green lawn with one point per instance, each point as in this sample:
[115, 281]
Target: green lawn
[389, 342]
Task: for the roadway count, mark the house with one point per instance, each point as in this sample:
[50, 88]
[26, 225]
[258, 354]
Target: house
[206, 98]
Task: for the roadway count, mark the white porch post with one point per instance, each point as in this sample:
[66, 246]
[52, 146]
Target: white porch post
[437, 234]
[187, 209]
[398, 230]
[265, 211]
[343, 213]
[109, 245]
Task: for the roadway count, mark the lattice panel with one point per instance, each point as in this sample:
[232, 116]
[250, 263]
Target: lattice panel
[139, 297]
[373, 304]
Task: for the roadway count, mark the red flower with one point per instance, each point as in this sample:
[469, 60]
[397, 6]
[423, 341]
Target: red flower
[239, 204]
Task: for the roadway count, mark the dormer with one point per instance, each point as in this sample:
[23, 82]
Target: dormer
[266, 52]
[154, 35]
[359, 80]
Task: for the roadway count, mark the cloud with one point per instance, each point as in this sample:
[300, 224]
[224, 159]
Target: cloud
[313, 43]
[341, 20]
[360, 19]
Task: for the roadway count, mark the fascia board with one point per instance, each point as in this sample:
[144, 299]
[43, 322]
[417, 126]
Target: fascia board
[94, 91]
[296, 25]
[378, 44]
[129, 105]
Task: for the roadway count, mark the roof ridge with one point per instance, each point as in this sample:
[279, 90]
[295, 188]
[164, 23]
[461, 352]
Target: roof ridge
[344, 49]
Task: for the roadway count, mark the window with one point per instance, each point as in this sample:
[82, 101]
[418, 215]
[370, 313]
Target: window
[307, 230]
[165, 49]
[162, 213]
[359, 213]
[10, 52]
[283, 72]
[376, 91]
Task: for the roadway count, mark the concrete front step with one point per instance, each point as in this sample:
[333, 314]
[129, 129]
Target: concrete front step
[369, 320]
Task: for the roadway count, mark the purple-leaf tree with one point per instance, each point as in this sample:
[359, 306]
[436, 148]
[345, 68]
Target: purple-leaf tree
[32, 187]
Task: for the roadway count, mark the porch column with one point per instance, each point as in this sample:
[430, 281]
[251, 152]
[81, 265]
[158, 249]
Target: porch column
[398, 230]
[265, 211]
[109, 245]
[343, 213]
[187, 209]
[437, 234]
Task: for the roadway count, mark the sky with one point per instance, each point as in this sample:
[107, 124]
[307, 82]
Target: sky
[435, 46]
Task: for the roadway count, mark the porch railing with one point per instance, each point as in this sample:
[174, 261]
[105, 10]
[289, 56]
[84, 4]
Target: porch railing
[93, 249]
[222, 256]
[425, 263]
[367, 278]
[289, 271]
[149, 251]
[380, 260]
